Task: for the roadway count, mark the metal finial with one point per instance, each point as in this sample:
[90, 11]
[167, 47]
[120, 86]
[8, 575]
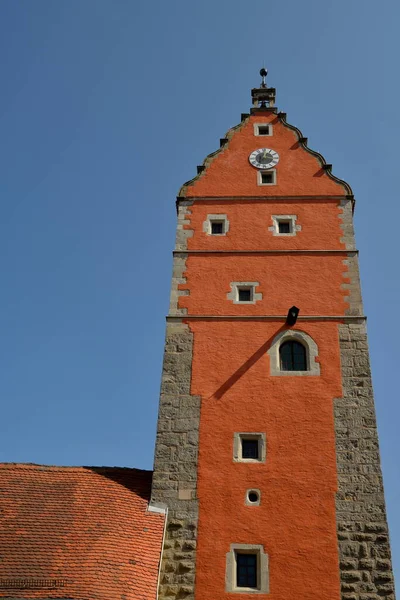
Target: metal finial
[263, 73]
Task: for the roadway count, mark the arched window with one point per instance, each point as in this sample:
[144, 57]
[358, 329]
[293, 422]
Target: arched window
[293, 352]
[293, 356]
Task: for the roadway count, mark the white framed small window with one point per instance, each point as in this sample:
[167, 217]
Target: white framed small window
[247, 569]
[244, 292]
[249, 447]
[262, 129]
[216, 225]
[266, 177]
[284, 225]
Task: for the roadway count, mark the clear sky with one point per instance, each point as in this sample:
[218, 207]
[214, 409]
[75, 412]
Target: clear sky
[106, 108]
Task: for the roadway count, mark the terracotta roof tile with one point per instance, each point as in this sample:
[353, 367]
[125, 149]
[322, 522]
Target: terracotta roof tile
[78, 532]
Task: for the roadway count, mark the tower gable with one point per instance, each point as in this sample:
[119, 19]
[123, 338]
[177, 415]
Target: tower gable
[300, 171]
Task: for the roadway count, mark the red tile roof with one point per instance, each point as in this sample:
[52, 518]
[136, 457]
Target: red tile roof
[78, 532]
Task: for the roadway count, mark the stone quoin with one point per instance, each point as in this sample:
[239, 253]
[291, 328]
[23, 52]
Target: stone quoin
[267, 478]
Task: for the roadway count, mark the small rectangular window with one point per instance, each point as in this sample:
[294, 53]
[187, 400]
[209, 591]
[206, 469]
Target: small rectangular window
[250, 448]
[245, 294]
[284, 226]
[246, 570]
[217, 227]
[263, 130]
[267, 178]
[216, 224]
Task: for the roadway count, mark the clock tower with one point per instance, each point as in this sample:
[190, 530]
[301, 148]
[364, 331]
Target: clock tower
[267, 453]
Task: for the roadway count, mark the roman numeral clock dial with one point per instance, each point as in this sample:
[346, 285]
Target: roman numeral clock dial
[264, 158]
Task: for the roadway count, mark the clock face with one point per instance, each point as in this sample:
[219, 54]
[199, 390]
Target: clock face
[264, 158]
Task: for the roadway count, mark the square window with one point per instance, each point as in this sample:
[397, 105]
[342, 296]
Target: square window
[267, 178]
[246, 570]
[217, 227]
[263, 130]
[285, 226]
[245, 294]
[216, 224]
[250, 449]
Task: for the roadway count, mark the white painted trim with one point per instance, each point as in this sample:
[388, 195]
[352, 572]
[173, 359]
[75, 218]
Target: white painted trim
[216, 218]
[259, 178]
[311, 349]
[257, 125]
[276, 219]
[157, 507]
[234, 293]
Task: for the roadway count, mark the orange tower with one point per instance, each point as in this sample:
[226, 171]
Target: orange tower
[267, 452]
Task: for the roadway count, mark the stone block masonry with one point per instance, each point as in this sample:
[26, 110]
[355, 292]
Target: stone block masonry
[175, 465]
[364, 550]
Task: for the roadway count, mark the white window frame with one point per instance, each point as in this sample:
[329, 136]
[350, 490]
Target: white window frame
[311, 353]
[216, 219]
[237, 285]
[276, 219]
[256, 129]
[262, 569]
[259, 176]
[249, 435]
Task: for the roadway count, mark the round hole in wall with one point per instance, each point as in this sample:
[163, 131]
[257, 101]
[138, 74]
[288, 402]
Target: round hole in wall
[253, 496]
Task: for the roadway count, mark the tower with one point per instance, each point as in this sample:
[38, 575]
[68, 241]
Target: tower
[267, 451]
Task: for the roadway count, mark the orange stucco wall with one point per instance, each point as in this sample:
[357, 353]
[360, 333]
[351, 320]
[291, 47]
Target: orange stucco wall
[295, 521]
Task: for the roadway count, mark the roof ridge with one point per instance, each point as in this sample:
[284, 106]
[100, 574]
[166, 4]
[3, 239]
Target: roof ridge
[78, 468]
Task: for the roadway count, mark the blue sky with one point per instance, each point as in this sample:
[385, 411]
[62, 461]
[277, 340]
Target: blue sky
[94, 93]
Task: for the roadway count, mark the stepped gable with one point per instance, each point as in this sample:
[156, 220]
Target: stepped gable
[78, 533]
[227, 171]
